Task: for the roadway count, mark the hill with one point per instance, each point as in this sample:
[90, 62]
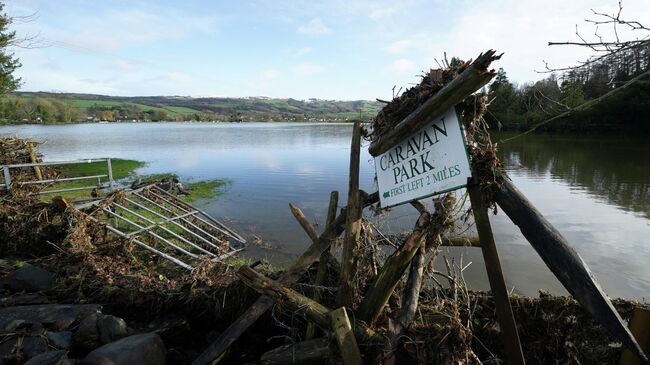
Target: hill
[51, 108]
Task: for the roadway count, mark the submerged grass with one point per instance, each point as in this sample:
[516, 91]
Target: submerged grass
[206, 189]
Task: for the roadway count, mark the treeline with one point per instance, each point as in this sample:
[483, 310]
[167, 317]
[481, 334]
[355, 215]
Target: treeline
[15, 109]
[516, 107]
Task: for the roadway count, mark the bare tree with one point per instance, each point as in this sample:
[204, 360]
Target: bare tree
[611, 46]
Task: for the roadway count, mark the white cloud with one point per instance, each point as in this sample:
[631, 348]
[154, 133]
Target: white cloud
[403, 66]
[400, 46]
[269, 75]
[124, 65]
[523, 33]
[315, 26]
[307, 69]
[178, 76]
[297, 52]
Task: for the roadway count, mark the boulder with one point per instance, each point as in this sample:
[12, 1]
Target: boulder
[31, 279]
[55, 317]
[59, 357]
[87, 335]
[143, 349]
[99, 329]
[60, 340]
[111, 328]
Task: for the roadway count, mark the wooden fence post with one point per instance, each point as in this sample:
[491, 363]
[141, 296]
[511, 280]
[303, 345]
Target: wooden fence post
[495, 277]
[32, 157]
[353, 224]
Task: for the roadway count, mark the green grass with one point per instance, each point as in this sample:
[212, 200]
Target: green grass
[181, 109]
[121, 169]
[85, 103]
[205, 189]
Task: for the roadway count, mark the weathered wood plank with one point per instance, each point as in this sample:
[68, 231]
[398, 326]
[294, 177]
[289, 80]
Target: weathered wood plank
[342, 329]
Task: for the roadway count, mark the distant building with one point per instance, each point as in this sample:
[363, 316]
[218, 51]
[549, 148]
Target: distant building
[127, 119]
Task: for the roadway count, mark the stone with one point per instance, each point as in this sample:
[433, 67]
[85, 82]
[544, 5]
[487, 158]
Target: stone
[111, 328]
[87, 335]
[59, 357]
[60, 340]
[99, 329]
[31, 279]
[143, 349]
[55, 317]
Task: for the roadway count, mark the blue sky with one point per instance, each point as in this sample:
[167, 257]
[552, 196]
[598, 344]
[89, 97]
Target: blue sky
[301, 49]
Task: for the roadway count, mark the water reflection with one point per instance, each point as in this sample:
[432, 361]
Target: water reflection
[595, 190]
[615, 169]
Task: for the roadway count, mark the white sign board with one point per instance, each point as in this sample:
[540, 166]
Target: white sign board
[431, 161]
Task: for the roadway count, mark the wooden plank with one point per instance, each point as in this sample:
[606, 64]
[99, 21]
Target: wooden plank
[342, 329]
[353, 225]
[471, 79]
[640, 328]
[310, 352]
[495, 277]
[563, 261]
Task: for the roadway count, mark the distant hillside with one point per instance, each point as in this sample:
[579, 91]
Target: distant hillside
[49, 108]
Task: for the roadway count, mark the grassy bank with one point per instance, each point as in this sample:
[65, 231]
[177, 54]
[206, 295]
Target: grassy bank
[121, 170]
[124, 174]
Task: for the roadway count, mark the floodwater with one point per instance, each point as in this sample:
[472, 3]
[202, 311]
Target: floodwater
[594, 189]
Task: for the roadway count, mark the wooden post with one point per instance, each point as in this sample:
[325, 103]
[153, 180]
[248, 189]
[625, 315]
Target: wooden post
[345, 337]
[109, 167]
[640, 328]
[325, 257]
[495, 277]
[353, 224]
[32, 157]
[563, 261]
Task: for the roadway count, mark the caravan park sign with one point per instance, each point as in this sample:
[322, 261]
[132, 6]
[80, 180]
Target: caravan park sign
[431, 161]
